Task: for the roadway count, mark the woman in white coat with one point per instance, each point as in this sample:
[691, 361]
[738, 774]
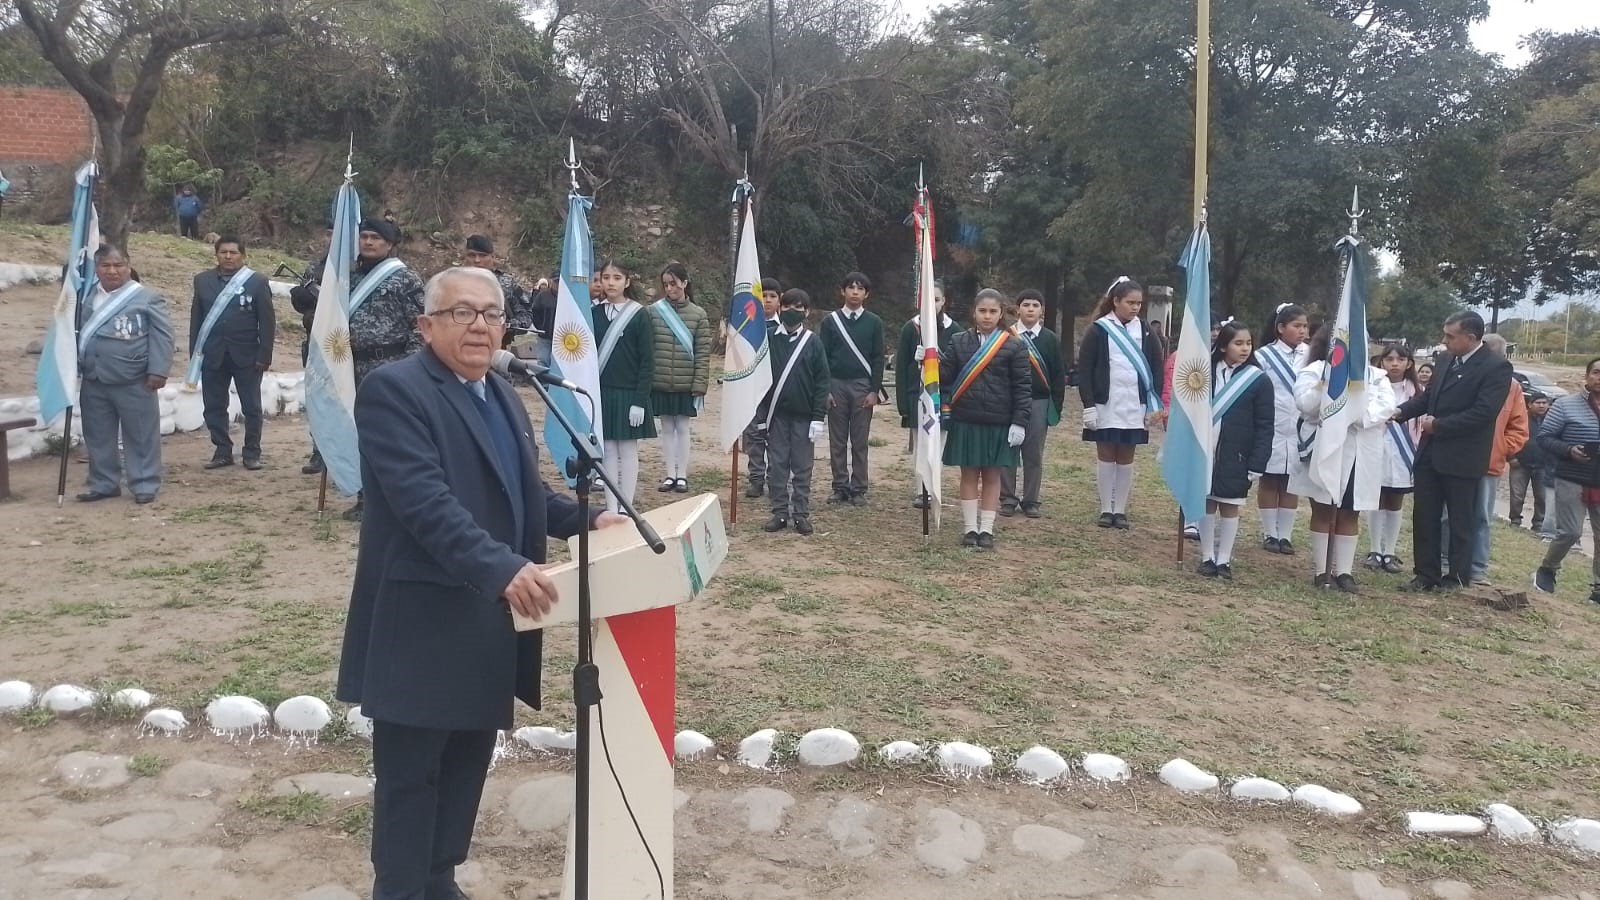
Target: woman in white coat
[1281, 359]
[1336, 519]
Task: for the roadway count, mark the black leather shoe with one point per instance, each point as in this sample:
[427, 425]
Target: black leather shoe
[985, 540]
[756, 489]
[1106, 520]
[1031, 510]
[218, 462]
[353, 514]
[92, 496]
[253, 465]
[970, 539]
[1419, 585]
[142, 499]
[1206, 569]
[776, 523]
[1007, 510]
[314, 467]
[920, 503]
[803, 526]
[1120, 520]
[681, 486]
[1346, 583]
[1284, 547]
[1225, 572]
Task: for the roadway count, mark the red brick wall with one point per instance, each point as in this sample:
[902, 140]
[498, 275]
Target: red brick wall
[48, 126]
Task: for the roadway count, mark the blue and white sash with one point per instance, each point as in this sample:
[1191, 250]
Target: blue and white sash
[232, 289]
[108, 308]
[1282, 368]
[1135, 356]
[675, 324]
[375, 278]
[783, 378]
[614, 330]
[1243, 378]
[1401, 436]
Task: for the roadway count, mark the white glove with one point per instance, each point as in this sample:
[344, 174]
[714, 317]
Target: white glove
[1091, 416]
[1253, 476]
[816, 431]
[1016, 436]
[635, 416]
[700, 403]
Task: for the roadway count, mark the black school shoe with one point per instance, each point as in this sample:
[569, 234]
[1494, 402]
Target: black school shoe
[1106, 520]
[970, 539]
[1032, 511]
[681, 486]
[1225, 572]
[919, 503]
[776, 523]
[756, 489]
[985, 540]
[1322, 582]
[218, 462]
[1346, 583]
[1008, 509]
[666, 484]
[1120, 520]
[1284, 547]
[1269, 544]
[1207, 569]
[1373, 561]
[803, 526]
[838, 497]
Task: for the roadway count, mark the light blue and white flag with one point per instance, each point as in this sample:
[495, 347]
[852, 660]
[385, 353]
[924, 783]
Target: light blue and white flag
[330, 364]
[747, 375]
[573, 353]
[56, 380]
[1186, 455]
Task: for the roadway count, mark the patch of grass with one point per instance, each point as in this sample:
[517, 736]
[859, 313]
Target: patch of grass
[802, 604]
[302, 806]
[355, 821]
[1392, 740]
[35, 717]
[148, 765]
[93, 612]
[1440, 859]
[741, 591]
[223, 513]
[240, 566]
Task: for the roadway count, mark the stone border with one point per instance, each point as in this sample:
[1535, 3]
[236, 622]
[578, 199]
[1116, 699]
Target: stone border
[302, 718]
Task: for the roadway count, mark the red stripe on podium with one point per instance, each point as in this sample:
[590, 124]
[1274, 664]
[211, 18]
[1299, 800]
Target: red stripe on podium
[648, 643]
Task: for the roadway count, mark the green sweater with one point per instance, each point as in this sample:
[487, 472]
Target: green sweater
[676, 372]
[805, 394]
[867, 332]
[632, 364]
[1054, 383]
[908, 383]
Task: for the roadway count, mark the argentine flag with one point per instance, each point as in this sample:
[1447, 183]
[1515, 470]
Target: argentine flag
[746, 377]
[573, 354]
[1186, 455]
[56, 380]
[330, 364]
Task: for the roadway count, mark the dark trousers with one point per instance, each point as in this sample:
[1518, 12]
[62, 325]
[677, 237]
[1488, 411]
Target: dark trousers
[754, 443]
[214, 394]
[424, 804]
[1032, 458]
[792, 457]
[1521, 477]
[1437, 494]
[189, 227]
[848, 428]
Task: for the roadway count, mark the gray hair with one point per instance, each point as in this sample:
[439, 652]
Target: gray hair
[433, 292]
[1495, 344]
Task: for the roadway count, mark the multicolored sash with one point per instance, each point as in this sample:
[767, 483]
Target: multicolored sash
[1237, 386]
[1141, 366]
[986, 353]
[783, 377]
[108, 308]
[379, 274]
[614, 330]
[232, 289]
[1033, 354]
[675, 324]
[1281, 367]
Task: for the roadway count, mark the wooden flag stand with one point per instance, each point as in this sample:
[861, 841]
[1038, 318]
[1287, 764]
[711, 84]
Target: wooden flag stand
[635, 592]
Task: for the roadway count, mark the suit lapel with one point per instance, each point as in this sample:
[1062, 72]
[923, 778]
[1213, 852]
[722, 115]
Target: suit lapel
[455, 394]
[522, 430]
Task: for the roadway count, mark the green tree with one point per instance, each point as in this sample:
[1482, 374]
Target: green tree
[1410, 308]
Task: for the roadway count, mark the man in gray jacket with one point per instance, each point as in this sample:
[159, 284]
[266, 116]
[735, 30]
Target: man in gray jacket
[125, 351]
[1570, 433]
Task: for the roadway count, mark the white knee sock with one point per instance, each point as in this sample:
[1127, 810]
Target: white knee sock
[1344, 553]
[611, 461]
[1208, 536]
[969, 516]
[1396, 520]
[1269, 522]
[1124, 488]
[986, 521]
[683, 447]
[1378, 532]
[1319, 552]
[1286, 524]
[669, 445]
[1227, 532]
[1105, 478]
[622, 464]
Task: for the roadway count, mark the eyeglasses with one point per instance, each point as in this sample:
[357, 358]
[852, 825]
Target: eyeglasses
[493, 317]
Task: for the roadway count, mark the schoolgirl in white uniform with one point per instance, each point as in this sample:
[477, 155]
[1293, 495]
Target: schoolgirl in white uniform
[1399, 459]
[1281, 359]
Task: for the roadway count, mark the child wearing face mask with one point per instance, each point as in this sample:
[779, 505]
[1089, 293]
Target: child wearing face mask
[792, 414]
[627, 367]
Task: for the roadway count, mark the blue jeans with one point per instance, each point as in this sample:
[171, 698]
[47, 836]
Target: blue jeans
[1488, 488]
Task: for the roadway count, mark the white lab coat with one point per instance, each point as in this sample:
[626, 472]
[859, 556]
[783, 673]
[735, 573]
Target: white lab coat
[1285, 442]
[1363, 455]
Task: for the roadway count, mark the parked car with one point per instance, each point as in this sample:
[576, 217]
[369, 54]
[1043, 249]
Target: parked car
[1537, 383]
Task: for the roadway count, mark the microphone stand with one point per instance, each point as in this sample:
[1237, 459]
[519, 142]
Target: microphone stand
[583, 467]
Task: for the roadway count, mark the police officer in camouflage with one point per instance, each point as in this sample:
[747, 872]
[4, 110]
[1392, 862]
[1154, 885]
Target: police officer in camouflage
[385, 301]
[479, 254]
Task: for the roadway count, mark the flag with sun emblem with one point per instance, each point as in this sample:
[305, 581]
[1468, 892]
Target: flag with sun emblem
[573, 354]
[330, 379]
[747, 376]
[1186, 455]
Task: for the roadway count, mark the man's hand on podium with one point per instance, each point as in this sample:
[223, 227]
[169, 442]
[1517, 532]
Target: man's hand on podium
[531, 593]
[608, 518]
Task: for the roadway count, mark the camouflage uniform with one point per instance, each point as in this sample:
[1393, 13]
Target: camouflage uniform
[384, 328]
[519, 303]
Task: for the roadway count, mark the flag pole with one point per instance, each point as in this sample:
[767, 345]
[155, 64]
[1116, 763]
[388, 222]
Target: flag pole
[733, 278]
[1202, 126]
[77, 326]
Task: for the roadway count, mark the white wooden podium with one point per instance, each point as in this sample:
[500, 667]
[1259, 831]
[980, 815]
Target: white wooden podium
[633, 594]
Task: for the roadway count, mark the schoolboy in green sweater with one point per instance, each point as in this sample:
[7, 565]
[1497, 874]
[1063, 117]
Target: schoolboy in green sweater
[1049, 391]
[853, 340]
[793, 414]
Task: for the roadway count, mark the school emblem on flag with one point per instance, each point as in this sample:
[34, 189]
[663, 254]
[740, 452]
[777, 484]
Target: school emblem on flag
[747, 375]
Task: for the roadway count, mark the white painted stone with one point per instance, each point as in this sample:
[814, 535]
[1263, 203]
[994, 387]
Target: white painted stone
[358, 723]
[131, 698]
[1259, 789]
[1040, 765]
[1188, 777]
[1044, 842]
[964, 759]
[690, 745]
[1325, 801]
[13, 274]
[235, 714]
[67, 698]
[188, 409]
[1105, 767]
[15, 695]
[764, 808]
[97, 771]
[828, 747]
[302, 715]
[1510, 825]
[333, 785]
[1445, 824]
[901, 752]
[546, 739]
[1578, 834]
[165, 720]
[755, 751]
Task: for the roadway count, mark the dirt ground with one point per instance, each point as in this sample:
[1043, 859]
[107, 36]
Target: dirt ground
[1067, 635]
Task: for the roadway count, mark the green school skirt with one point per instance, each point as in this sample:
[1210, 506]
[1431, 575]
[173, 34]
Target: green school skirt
[979, 446]
[675, 403]
[614, 403]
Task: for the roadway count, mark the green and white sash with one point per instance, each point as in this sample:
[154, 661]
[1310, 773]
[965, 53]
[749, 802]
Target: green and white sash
[107, 309]
[1141, 366]
[375, 278]
[675, 324]
[1243, 378]
[783, 377]
[232, 289]
[614, 330]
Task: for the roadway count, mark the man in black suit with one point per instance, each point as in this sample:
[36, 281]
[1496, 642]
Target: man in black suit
[1457, 416]
[454, 534]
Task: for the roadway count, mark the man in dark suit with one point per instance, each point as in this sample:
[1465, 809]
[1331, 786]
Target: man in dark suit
[1457, 416]
[232, 343]
[454, 534]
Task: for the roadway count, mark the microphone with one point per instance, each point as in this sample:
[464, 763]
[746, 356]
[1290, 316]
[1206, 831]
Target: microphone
[507, 363]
